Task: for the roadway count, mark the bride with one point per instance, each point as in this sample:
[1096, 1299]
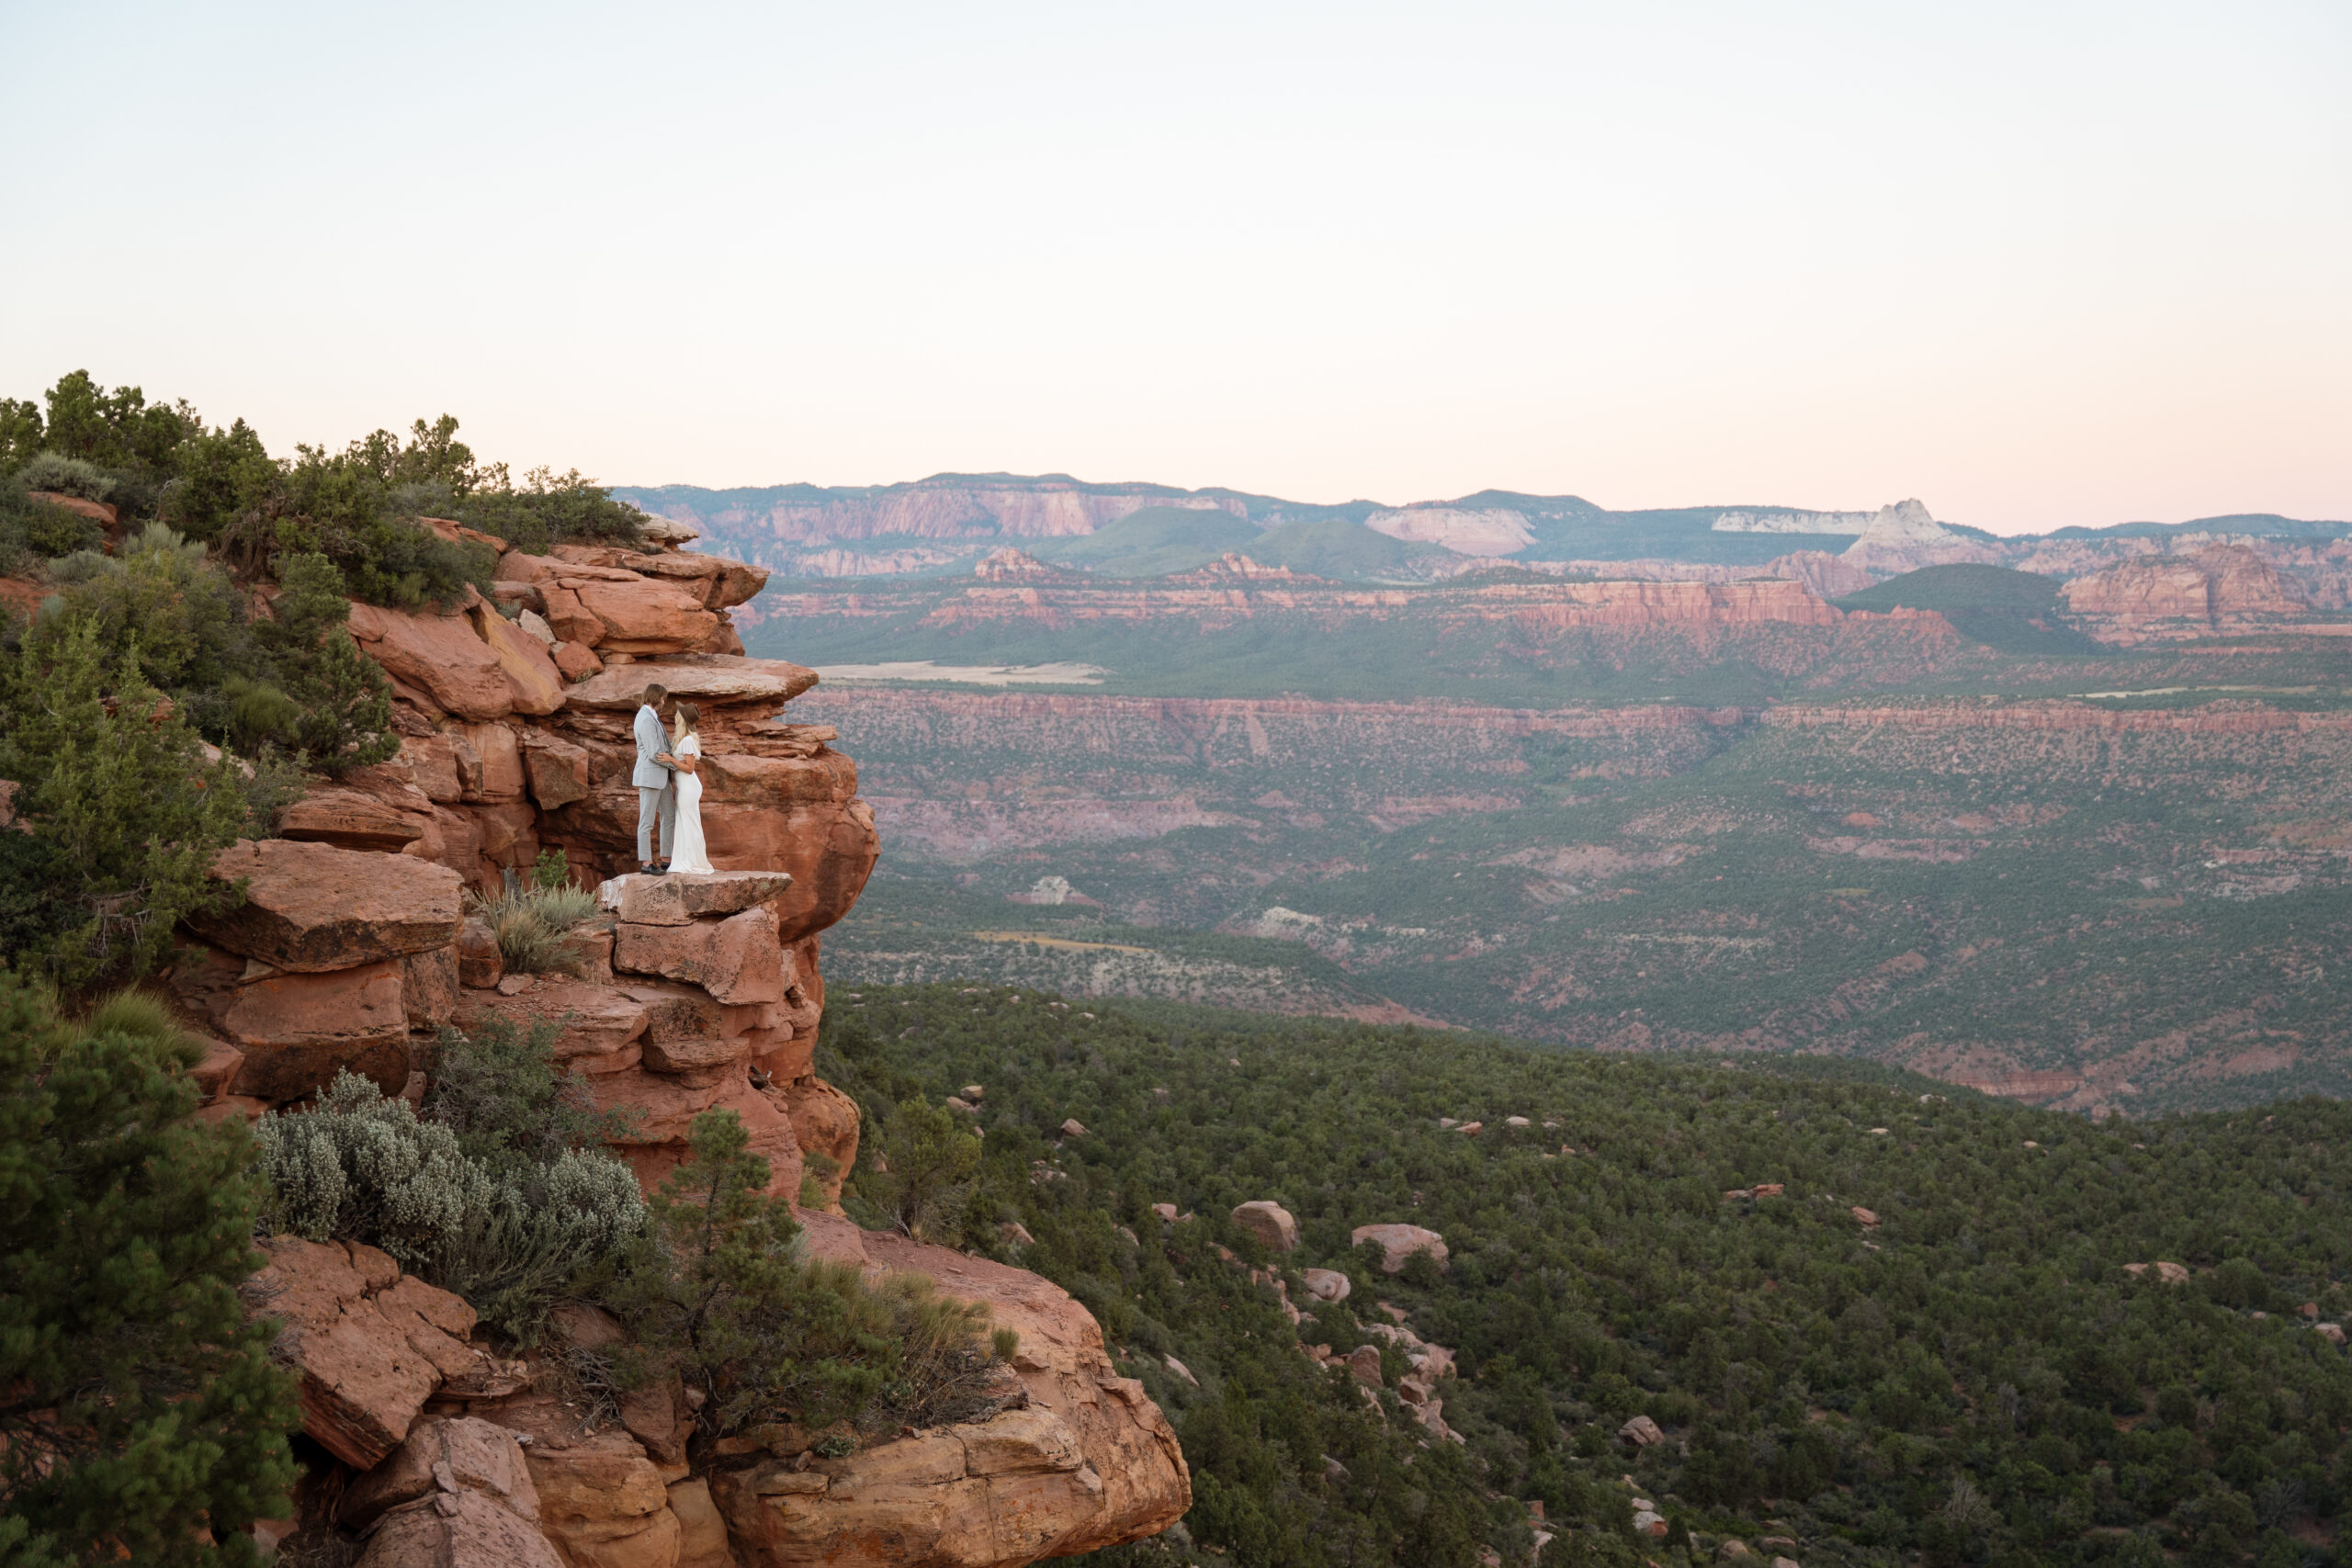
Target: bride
[686, 848]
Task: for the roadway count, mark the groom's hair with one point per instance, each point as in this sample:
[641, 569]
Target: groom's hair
[654, 695]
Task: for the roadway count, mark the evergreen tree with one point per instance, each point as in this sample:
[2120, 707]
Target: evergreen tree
[344, 700]
[115, 783]
[140, 1417]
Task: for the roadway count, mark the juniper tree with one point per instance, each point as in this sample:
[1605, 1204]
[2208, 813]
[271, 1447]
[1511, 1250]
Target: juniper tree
[342, 701]
[117, 788]
[140, 1417]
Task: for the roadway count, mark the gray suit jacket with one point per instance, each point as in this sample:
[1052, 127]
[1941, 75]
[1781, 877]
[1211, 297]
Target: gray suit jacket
[651, 740]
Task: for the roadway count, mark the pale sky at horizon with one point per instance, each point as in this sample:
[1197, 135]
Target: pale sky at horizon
[2035, 264]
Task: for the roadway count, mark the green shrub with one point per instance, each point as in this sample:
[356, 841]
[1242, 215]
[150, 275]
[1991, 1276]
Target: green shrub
[181, 611]
[223, 475]
[341, 700]
[533, 926]
[510, 1238]
[31, 528]
[62, 475]
[933, 1159]
[140, 1399]
[116, 782]
[551, 509]
[141, 1015]
[719, 1291]
[510, 1103]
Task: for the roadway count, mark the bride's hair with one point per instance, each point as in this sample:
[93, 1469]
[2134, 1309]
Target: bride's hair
[691, 718]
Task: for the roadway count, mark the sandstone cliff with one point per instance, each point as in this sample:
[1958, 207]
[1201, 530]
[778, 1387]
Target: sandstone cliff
[355, 943]
[2219, 591]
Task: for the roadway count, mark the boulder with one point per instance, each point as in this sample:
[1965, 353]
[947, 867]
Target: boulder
[367, 1364]
[737, 960]
[1009, 1490]
[1399, 1242]
[1641, 1431]
[298, 1030]
[480, 962]
[490, 761]
[312, 908]
[678, 898]
[557, 769]
[1868, 1218]
[534, 683]
[429, 987]
[702, 1531]
[446, 1456]
[1364, 1362]
[1269, 1223]
[441, 656]
[826, 1120]
[642, 616]
[602, 1501]
[704, 679]
[1328, 1284]
[350, 819]
[456, 1529]
[577, 661]
[433, 764]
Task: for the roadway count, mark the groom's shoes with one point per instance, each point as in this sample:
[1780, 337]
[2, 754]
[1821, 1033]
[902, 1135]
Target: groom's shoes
[651, 870]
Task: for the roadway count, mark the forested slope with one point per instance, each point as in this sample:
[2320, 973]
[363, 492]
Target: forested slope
[1975, 1377]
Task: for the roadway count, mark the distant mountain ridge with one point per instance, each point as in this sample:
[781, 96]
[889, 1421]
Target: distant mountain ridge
[947, 522]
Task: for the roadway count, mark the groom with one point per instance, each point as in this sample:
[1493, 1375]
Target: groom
[656, 801]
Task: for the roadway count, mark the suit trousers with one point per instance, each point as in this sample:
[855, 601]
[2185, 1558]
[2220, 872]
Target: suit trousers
[656, 806]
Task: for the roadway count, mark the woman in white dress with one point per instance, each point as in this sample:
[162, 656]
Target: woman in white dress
[687, 852]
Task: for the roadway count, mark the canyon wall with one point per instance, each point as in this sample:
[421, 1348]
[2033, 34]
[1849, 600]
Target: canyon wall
[361, 936]
[949, 507]
[2220, 590]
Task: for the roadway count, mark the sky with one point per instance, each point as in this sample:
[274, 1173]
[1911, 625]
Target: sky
[2036, 264]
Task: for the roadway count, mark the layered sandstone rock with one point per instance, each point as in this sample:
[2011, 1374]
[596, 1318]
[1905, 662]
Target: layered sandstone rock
[311, 907]
[694, 993]
[1083, 1461]
[372, 1344]
[2216, 592]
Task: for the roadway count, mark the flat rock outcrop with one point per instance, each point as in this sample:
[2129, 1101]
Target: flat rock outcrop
[311, 907]
[1084, 1462]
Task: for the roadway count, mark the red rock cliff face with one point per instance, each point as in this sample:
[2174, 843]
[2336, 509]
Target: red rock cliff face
[1222, 599]
[356, 945]
[2223, 590]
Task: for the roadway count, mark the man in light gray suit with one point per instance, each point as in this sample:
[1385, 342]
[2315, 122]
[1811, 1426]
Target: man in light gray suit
[656, 801]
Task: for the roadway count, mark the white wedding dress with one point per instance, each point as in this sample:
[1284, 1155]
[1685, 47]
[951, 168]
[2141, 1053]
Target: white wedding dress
[686, 851]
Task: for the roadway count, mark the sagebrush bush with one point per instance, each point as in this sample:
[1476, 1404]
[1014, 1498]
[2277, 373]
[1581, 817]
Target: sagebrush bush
[67, 476]
[365, 1168]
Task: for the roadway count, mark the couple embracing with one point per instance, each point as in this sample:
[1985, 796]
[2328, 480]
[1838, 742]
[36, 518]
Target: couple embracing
[669, 790]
